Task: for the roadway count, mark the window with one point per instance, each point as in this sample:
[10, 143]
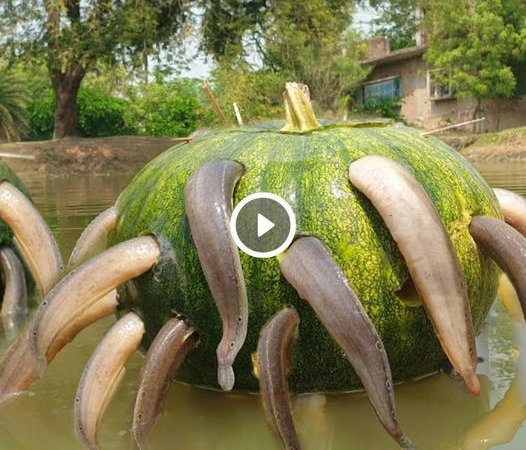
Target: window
[380, 89]
[438, 91]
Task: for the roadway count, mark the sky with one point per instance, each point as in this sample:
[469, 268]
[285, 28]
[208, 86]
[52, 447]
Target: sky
[200, 68]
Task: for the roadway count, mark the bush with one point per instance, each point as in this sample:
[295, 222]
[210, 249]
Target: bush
[384, 107]
[167, 108]
[41, 115]
[103, 115]
[99, 115]
[175, 116]
[160, 108]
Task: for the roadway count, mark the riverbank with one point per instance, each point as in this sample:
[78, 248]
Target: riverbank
[504, 146]
[102, 156]
[108, 155]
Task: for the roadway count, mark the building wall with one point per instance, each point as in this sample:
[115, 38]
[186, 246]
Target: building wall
[377, 47]
[502, 114]
[420, 110]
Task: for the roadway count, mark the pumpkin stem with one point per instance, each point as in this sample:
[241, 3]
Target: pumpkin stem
[299, 115]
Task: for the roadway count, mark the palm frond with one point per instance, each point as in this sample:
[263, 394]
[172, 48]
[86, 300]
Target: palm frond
[14, 96]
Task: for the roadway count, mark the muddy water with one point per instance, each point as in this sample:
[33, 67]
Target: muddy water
[436, 412]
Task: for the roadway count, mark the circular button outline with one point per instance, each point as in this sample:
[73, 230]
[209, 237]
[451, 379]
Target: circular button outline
[288, 210]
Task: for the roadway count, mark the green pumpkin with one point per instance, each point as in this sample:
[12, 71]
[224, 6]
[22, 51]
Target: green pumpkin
[309, 169]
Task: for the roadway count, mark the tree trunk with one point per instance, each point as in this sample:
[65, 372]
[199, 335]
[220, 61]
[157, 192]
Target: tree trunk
[66, 87]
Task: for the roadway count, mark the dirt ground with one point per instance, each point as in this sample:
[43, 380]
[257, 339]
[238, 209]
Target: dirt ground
[105, 156]
[86, 155]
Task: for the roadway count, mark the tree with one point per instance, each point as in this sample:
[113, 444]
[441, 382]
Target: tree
[477, 45]
[257, 92]
[397, 21]
[307, 41]
[14, 96]
[75, 34]
[226, 22]
[311, 41]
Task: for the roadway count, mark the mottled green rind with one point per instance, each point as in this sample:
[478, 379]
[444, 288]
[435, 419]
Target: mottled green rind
[310, 171]
[6, 174]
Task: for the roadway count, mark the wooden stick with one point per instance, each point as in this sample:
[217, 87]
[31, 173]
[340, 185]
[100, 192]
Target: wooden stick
[208, 92]
[456, 125]
[182, 139]
[15, 156]
[238, 114]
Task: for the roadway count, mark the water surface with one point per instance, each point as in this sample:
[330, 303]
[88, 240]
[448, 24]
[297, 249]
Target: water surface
[435, 412]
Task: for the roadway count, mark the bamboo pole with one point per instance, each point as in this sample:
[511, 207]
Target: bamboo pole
[208, 92]
[455, 125]
[238, 114]
[15, 156]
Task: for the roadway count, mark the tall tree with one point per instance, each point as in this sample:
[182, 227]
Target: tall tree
[75, 34]
[311, 41]
[477, 45]
[397, 21]
[226, 22]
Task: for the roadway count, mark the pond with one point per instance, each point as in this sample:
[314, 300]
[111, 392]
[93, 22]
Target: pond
[436, 412]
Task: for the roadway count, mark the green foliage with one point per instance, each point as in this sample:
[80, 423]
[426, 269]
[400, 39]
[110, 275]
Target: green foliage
[168, 108]
[385, 107]
[112, 79]
[160, 108]
[397, 21]
[76, 33]
[476, 44]
[41, 116]
[103, 115]
[99, 115]
[176, 117]
[73, 35]
[258, 93]
[225, 23]
[40, 104]
[311, 43]
[305, 41]
[13, 114]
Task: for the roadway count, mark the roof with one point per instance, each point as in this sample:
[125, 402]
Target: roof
[397, 55]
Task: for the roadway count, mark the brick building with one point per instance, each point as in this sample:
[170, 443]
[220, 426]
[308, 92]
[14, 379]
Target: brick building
[403, 74]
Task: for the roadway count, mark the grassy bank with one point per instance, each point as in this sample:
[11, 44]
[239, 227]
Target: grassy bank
[507, 145]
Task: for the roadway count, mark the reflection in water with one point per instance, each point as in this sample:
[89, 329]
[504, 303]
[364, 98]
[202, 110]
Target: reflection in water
[436, 412]
[499, 425]
[509, 298]
[69, 204]
[510, 176]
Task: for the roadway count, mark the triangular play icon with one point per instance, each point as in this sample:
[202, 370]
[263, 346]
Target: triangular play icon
[264, 225]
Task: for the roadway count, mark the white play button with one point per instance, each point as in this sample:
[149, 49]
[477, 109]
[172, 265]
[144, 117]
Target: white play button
[264, 225]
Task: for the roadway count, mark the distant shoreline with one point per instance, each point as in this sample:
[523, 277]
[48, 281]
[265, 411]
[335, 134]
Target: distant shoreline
[98, 156]
[108, 155]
